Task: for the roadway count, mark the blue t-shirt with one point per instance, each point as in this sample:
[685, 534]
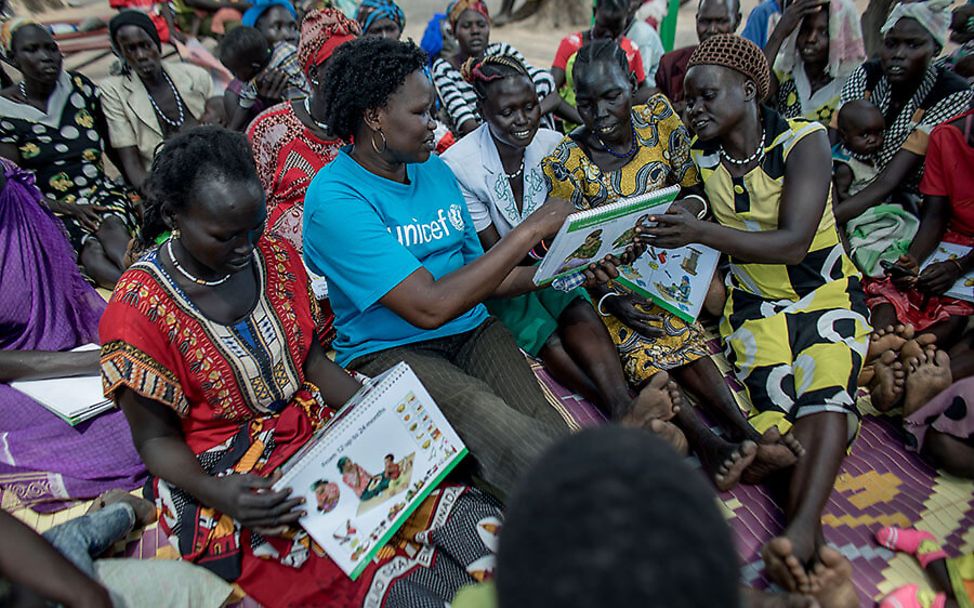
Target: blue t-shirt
[366, 234]
[756, 28]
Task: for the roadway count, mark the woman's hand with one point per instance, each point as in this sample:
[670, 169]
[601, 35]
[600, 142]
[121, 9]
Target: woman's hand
[907, 282]
[271, 84]
[250, 500]
[547, 219]
[675, 228]
[939, 277]
[792, 16]
[88, 215]
[625, 309]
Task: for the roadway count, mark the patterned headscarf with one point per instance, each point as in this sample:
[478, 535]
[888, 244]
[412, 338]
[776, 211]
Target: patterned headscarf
[323, 31]
[738, 54]
[371, 11]
[933, 15]
[846, 49]
[456, 7]
[8, 28]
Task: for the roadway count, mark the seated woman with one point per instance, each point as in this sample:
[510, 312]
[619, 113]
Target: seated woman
[620, 151]
[52, 123]
[150, 101]
[381, 18]
[387, 224]
[795, 323]
[814, 49]
[947, 216]
[914, 94]
[470, 23]
[498, 169]
[276, 20]
[47, 309]
[611, 17]
[233, 362]
[291, 141]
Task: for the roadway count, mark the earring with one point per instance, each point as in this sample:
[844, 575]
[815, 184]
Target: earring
[385, 144]
[175, 233]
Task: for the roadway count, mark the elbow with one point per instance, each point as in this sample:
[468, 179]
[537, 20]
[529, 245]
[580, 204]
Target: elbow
[796, 253]
[429, 321]
[429, 315]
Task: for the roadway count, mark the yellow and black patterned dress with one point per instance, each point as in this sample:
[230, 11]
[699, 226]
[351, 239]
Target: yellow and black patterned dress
[796, 334]
[662, 159]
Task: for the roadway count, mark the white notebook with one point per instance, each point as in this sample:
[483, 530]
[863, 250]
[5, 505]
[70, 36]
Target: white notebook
[74, 400]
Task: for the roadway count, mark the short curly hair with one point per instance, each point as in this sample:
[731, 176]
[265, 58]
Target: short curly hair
[180, 163]
[362, 75]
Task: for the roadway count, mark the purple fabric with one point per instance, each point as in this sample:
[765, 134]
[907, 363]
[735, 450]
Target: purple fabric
[45, 304]
[951, 412]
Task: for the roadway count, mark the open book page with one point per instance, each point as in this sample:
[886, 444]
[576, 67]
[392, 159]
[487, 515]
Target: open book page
[387, 449]
[675, 279]
[963, 289]
[73, 399]
[589, 236]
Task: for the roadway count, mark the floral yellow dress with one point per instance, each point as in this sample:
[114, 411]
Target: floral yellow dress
[662, 159]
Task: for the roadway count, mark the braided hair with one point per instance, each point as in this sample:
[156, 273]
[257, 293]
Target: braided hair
[600, 50]
[182, 162]
[481, 72]
[362, 75]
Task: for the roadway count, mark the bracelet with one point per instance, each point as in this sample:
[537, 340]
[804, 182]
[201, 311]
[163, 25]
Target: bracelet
[959, 265]
[602, 300]
[706, 208]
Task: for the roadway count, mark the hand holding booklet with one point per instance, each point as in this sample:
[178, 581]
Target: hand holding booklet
[963, 288]
[365, 472]
[675, 279]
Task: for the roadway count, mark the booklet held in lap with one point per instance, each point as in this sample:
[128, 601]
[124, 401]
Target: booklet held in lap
[365, 472]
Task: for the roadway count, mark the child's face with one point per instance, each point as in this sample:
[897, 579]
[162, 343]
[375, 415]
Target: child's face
[864, 132]
[246, 69]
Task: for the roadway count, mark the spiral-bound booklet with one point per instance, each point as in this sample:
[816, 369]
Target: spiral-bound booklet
[366, 471]
[588, 236]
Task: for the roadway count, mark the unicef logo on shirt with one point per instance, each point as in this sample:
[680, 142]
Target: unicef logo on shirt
[456, 216]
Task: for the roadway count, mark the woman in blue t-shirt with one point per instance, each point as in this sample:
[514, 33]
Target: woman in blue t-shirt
[386, 223]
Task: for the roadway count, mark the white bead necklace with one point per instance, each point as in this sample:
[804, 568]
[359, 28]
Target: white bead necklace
[757, 156]
[182, 271]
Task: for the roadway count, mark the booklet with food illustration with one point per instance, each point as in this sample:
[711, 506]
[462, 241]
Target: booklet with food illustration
[589, 236]
[366, 471]
[963, 288]
[675, 279]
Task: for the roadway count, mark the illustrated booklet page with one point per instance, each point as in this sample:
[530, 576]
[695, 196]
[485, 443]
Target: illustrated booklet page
[588, 236]
[963, 288]
[675, 279]
[365, 472]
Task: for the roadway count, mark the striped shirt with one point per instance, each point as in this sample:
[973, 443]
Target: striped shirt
[459, 98]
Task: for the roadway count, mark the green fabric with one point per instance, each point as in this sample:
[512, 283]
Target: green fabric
[533, 317]
[483, 595]
[883, 232]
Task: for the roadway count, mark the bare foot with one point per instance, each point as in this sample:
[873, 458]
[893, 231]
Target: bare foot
[145, 511]
[775, 452]
[883, 340]
[905, 331]
[725, 461]
[912, 349]
[928, 375]
[756, 598]
[831, 580]
[671, 434]
[654, 402]
[783, 566]
[866, 375]
[888, 383]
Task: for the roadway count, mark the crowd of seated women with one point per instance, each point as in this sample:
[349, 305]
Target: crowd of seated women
[354, 192]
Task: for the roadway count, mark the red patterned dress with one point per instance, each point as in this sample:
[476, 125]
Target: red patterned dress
[245, 407]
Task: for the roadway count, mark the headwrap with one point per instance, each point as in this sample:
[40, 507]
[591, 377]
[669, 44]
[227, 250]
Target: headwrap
[323, 31]
[432, 41]
[258, 8]
[456, 7]
[738, 54]
[136, 18]
[7, 30]
[846, 49]
[932, 15]
[371, 11]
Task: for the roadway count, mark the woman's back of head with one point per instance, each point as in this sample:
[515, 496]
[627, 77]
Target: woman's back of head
[613, 517]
